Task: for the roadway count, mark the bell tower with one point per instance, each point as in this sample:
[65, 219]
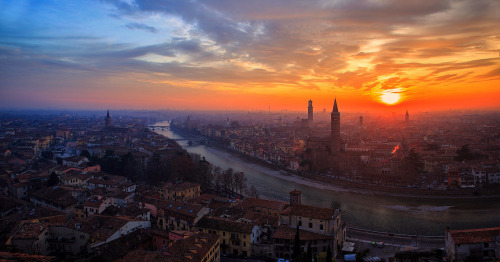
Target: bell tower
[310, 113]
[335, 130]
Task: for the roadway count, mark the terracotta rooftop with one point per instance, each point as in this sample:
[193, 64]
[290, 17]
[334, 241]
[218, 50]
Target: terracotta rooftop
[191, 210]
[33, 213]
[311, 212]
[286, 232]
[125, 244]
[148, 256]
[193, 248]
[205, 199]
[30, 230]
[471, 236]
[181, 186]
[57, 195]
[21, 257]
[251, 203]
[226, 225]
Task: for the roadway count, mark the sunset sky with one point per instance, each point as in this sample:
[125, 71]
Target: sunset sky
[421, 55]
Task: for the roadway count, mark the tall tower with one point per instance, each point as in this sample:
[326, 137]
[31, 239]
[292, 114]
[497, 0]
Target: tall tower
[310, 113]
[407, 116]
[108, 120]
[335, 129]
[295, 197]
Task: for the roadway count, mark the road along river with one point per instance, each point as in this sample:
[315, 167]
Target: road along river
[403, 215]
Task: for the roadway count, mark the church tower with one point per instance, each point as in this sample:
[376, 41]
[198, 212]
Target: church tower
[335, 129]
[310, 113]
[407, 117]
[108, 120]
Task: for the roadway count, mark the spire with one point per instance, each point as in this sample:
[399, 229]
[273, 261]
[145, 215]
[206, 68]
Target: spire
[335, 108]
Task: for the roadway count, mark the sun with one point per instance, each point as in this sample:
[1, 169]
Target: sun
[390, 96]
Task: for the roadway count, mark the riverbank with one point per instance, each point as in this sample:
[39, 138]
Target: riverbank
[404, 215]
[339, 185]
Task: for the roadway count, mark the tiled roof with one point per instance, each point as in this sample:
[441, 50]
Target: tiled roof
[33, 213]
[286, 232]
[226, 225]
[30, 230]
[148, 256]
[193, 248]
[216, 204]
[251, 203]
[181, 186]
[311, 212]
[125, 244]
[471, 236]
[205, 199]
[21, 257]
[108, 228]
[57, 195]
[191, 210]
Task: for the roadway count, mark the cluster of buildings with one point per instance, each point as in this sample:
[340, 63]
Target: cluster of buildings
[62, 204]
[369, 149]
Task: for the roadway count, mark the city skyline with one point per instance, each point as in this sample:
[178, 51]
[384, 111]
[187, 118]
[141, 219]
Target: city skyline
[378, 56]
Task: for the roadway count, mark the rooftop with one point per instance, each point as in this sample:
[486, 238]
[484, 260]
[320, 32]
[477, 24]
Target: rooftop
[311, 212]
[286, 232]
[30, 230]
[472, 236]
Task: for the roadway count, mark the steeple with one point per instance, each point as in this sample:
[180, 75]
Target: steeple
[335, 108]
[310, 113]
[107, 122]
[335, 129]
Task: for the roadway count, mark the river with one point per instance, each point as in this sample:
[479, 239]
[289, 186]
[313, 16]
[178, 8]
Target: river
[404, 215]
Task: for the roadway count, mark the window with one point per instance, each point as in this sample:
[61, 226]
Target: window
[310, 225]
[82, 236]
[321, 227]
[244, 236]
[223, 233]
[300, 223]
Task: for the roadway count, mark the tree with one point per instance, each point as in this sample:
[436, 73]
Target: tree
[48, 155]
[309, 255]
[85, 153]
[296, 246]
[53, 180]
[128, 166]
[240, 182]
[328, 254]
[464, 154]
[412, 164]
[228, 181]
[217, 177]
[253, 192]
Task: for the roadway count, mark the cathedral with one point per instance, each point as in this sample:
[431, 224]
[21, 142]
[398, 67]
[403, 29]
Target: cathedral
[323, 153]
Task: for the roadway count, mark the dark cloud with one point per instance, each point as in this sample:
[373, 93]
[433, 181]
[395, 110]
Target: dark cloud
[140, 26]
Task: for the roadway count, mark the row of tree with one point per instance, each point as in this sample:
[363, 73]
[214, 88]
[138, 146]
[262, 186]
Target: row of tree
[174, 165]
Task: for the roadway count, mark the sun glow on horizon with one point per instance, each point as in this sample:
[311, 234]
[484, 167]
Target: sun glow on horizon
[390, 96]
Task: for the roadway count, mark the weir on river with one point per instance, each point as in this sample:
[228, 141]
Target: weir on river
[404, 215]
